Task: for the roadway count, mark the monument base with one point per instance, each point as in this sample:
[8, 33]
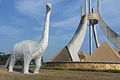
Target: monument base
[103, 66]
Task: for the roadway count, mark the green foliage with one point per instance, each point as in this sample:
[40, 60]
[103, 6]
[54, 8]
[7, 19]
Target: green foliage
[3, 58]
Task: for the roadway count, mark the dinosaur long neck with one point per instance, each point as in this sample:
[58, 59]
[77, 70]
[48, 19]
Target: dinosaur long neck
[43, 43]
[45, 35]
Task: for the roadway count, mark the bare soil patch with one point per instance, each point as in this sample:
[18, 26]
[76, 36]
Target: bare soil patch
[59, 75]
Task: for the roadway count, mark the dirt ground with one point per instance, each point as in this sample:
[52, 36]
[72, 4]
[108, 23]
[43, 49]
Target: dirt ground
[59, 75]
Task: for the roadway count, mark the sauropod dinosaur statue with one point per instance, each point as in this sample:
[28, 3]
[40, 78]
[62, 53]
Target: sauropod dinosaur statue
[27, 50]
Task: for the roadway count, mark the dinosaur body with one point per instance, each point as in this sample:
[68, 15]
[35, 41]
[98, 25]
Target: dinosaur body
[27, 50]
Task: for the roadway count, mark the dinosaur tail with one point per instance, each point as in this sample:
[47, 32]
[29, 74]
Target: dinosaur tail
[7, 62]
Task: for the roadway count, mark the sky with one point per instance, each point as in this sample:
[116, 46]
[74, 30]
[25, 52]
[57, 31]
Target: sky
[24, 20]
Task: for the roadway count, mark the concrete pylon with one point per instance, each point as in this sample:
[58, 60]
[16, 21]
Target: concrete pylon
[96, 36]
[79, 36]
[70, 52]
[98, 6]
[73, 46]
[110, 34]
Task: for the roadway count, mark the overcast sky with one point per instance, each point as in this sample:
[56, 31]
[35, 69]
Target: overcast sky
[24, 20]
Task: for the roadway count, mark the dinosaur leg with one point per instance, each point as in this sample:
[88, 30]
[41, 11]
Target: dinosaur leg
[37, 65]
[26, 65]
[7, 62]
[12, 63]
[22, 66]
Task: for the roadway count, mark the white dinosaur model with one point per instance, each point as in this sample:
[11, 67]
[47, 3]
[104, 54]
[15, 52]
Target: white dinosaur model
[28, 49]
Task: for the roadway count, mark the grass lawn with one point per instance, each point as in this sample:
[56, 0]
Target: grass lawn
[59, 75]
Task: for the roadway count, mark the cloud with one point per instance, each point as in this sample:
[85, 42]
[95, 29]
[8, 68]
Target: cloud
[10, 31]
[30, 8]
[68, 22]
[38, 28]
[54, 2]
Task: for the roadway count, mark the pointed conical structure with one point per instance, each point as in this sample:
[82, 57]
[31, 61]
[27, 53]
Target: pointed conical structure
[62, 55]
[104, 53]
[82, 56]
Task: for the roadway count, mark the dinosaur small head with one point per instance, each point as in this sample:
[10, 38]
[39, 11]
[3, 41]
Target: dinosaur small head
[48, 7]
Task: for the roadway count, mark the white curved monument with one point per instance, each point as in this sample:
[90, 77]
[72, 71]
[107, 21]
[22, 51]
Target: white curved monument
[70, 51]
[27, 50]
[88, 20]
